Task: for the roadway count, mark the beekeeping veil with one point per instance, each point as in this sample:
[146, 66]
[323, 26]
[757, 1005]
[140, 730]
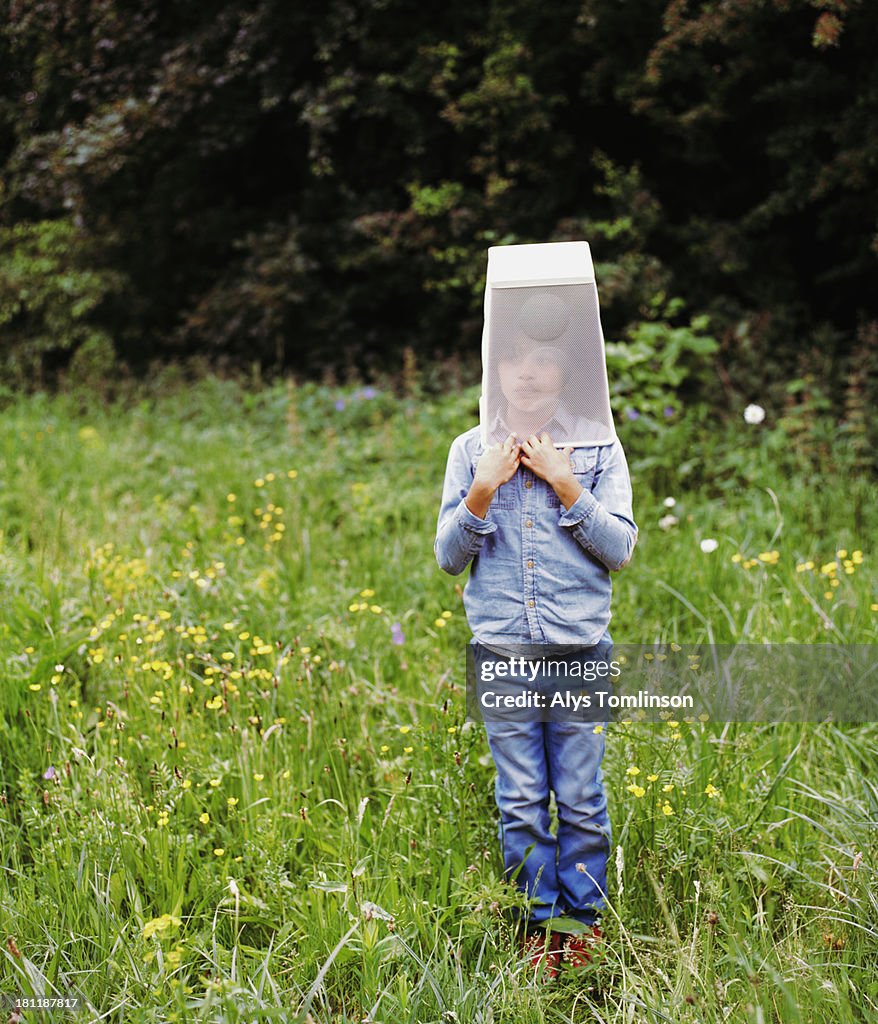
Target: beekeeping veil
[543, 361]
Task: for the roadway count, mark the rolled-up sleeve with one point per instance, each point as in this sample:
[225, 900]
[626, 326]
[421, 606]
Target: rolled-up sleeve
[602, 519]
[459, 533]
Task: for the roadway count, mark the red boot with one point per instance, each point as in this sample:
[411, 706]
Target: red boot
[543, 953]
[582, 948]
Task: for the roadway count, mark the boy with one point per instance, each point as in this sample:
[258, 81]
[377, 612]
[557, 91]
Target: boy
[542, 529]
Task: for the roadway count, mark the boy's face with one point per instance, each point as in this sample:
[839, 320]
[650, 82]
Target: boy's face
[532, 377]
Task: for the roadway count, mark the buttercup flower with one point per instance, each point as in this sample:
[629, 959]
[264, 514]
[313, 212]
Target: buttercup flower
[160, 924]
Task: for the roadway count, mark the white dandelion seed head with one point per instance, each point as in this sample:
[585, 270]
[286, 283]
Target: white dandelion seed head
[708, 545]
[666, 522]
[754, 414]
[669, 502]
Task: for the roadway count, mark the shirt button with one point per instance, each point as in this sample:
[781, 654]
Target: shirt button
[529, 484]
[529, 523]
[530, 565]
[530, 604]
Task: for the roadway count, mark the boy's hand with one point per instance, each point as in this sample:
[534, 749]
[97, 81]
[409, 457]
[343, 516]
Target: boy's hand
[497, 466]
[552, 465]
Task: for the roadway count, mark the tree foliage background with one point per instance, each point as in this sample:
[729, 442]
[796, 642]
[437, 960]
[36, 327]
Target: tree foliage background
[315, 184]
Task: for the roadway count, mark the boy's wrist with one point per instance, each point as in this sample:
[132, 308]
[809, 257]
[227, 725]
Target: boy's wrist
[561, 478]
[479, 498]
[567, 487]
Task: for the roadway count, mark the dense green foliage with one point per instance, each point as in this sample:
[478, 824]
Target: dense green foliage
[316, 184]
[236, 783]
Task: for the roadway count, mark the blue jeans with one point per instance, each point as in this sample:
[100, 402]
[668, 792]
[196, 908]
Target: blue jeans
[563, 874]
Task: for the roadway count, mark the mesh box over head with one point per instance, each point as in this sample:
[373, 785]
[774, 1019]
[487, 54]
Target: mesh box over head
[543, 362]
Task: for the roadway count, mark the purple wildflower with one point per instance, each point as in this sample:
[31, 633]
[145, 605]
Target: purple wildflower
[49, 773]
[369, 392]
[339, 404]
[669, 411]
[632, 414]
[397, 636]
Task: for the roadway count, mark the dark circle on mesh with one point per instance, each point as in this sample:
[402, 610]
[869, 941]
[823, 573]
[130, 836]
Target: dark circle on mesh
[544, 317]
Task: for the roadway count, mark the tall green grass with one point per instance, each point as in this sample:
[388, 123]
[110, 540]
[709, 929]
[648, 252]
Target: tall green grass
[229, 795]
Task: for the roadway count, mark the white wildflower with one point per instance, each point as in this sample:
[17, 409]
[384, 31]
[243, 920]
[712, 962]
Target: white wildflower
[620, 871]
[708, 545]
[754, 414]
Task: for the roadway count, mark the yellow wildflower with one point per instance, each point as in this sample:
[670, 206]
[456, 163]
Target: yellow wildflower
[160, 924]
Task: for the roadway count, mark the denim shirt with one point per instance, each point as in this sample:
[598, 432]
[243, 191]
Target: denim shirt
[540, 573]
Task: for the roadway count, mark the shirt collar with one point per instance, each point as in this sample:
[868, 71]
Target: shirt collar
[560, 425]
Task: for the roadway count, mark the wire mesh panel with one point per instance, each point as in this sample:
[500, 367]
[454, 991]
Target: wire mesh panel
[543, 348]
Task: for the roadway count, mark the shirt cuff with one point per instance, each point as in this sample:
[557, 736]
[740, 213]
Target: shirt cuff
[580, 511]
[470, 521]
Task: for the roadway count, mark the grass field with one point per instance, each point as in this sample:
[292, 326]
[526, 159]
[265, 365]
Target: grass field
[236, 780]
